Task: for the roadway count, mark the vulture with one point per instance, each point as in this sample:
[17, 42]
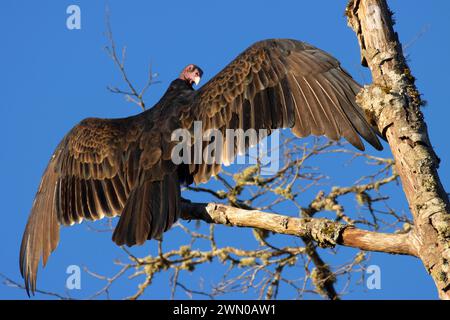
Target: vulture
[123, 167]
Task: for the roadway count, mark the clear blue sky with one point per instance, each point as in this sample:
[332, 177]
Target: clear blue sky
[52, 77]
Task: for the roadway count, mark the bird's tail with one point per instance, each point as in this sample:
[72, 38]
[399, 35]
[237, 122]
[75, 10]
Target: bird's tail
[151, 209]
[41, 235]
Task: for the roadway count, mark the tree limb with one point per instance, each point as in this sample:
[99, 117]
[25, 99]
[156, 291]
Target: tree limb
[133, 95]
[325, 232]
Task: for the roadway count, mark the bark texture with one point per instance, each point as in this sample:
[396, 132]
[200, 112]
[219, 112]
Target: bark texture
[325, 232]
[393, 102]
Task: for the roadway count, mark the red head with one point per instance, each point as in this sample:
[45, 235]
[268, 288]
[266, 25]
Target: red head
[191, 74]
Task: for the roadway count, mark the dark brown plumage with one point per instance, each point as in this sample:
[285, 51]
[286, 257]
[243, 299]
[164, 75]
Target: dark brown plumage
[110, 167]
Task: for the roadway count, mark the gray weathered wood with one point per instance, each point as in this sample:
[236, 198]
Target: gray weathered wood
[393, 102]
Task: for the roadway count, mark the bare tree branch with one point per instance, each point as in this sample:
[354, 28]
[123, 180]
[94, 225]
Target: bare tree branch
[11, 283]
[325, 232]
[133, 95]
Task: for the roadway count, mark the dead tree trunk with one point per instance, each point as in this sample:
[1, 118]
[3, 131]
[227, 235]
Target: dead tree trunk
[393, 103]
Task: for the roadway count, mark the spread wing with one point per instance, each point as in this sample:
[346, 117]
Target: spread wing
[102, 167]
[109, 167]
[277, 84]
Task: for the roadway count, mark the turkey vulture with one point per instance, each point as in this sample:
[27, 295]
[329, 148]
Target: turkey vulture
[123, 167]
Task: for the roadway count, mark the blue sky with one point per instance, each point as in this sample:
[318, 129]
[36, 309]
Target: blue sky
[52, 77]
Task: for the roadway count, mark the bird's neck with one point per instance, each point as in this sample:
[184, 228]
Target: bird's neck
[178, 91]
[180, 84]
[177, 88]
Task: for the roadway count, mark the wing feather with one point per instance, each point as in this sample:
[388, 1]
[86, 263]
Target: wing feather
[280, 83]
[109, 167]
[91, 174]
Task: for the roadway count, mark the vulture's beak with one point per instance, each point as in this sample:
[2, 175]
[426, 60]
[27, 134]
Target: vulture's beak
[197, 80]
